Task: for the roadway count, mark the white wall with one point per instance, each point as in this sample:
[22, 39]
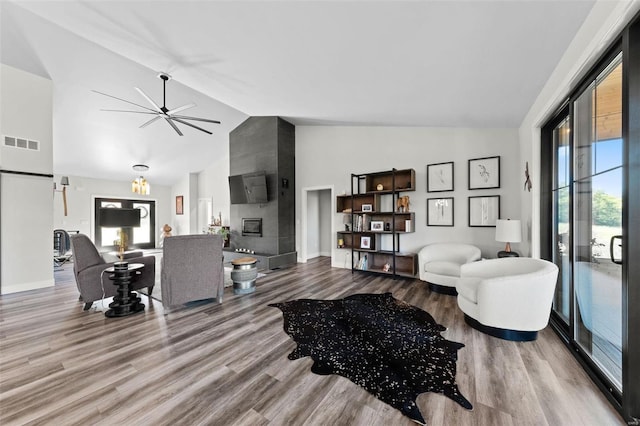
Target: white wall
[327, 156]
[82, 191]
[326, 239]
[181, 224]
[602, 26]
[213, 183]
[26, 231]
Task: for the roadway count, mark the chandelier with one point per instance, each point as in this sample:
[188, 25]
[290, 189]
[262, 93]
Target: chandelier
[140, 184]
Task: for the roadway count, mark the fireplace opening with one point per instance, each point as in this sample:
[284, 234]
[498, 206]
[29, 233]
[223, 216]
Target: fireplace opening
[252, 227]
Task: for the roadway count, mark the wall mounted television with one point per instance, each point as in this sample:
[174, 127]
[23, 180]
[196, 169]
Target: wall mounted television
[249, 188]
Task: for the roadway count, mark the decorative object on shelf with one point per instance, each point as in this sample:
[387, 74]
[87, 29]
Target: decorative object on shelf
[527, 182]
[367, 207]
[392, 349]
[440, 177]
[377, 225]
[508, 231]
[140, 184]
[179, 204]
[387, 226]
[408, 226]
[380, 187]
[440, 211]
[166, 232]
[484, 211]
[341, 243]
[365, 242]
[386, 267]
[402, 204]
[484, 173]
[169, 115]
[64, 181]
[347, 222]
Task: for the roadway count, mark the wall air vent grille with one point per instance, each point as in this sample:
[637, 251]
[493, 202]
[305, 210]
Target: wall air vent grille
[21, 143]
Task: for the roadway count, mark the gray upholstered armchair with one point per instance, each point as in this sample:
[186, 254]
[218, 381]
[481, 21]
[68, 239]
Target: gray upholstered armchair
[88, 266]
[192, 269]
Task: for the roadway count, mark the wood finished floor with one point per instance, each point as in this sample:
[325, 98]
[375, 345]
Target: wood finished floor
[227, 364]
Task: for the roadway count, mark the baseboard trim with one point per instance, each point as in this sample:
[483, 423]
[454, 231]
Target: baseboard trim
[17, 288]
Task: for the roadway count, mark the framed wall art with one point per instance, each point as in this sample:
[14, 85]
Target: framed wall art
[440, 211]
[440, 177]
[179, 204]
[484, 173]
[484, 211]
[367, 207]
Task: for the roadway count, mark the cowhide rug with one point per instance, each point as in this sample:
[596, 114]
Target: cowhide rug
[390, 348]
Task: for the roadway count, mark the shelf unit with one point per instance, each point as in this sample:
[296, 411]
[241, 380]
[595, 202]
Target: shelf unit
[369, 192]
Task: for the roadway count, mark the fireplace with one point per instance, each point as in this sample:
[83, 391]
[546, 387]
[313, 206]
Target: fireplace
[252, 227]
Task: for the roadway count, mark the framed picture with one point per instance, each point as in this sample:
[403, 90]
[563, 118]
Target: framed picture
[484, 173]
[179, 204]
[440, 211]
[377, 225]
[484, 211]
[365, 242]
[440, 177]
[367, 207]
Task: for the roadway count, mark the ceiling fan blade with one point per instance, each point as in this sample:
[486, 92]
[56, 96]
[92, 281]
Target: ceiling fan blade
[144, 95]
[173, 125]
[135, 112]
[157, 117]
[191, 125]
[184, 117]
[182, 108]
[123, 100]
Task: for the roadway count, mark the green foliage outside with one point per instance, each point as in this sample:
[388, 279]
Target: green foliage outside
[607, 209]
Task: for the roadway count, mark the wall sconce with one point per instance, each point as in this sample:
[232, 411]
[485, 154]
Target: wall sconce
[140, 184]
[64, 181]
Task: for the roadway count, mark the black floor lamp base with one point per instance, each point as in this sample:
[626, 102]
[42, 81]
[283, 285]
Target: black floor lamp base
[508, 254]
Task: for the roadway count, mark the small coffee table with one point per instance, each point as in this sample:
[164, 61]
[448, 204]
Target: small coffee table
[125, 302]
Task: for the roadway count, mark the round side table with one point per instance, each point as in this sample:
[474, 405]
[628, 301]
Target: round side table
[125, 302]
[244, 275]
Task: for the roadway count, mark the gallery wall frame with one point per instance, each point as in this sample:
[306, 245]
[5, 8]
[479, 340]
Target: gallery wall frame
[440, 211]
[484, 210]
[179, 204]
[484, 173]
[440, 177]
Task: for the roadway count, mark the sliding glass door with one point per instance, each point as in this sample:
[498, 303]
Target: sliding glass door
[590, 221]
[597, 221]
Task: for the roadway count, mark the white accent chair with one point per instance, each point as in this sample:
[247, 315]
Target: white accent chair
[509, 298]
[439, 264]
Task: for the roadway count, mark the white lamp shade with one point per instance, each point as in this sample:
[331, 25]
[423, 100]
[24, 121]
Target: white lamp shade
[508, 231]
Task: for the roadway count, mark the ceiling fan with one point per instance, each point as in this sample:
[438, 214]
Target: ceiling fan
[169, 115]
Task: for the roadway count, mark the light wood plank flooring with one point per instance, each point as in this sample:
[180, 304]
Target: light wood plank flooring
[227, 364]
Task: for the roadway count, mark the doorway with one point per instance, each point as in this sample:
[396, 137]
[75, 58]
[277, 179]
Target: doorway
[316, 225]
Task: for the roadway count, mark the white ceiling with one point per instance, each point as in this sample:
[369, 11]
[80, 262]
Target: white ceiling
[381, 63]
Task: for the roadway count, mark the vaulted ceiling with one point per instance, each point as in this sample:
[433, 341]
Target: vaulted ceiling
[383, 63]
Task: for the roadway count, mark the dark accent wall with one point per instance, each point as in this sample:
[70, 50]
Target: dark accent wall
[265, 144]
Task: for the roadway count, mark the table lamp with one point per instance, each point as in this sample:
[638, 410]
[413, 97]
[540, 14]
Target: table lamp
[113, 217]
[508, 231]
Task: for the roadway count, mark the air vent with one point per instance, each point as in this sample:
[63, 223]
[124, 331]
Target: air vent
[21, 143]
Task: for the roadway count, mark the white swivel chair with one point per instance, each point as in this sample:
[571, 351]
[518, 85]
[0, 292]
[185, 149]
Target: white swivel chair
[440, 263]
[509, 298]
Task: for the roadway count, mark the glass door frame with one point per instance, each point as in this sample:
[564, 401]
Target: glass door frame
[627, 403]
[127, 203]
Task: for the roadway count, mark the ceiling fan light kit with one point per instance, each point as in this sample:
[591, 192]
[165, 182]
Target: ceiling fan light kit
[162, 112]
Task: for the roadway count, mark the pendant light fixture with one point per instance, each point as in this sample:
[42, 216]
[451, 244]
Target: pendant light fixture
[140, 184]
